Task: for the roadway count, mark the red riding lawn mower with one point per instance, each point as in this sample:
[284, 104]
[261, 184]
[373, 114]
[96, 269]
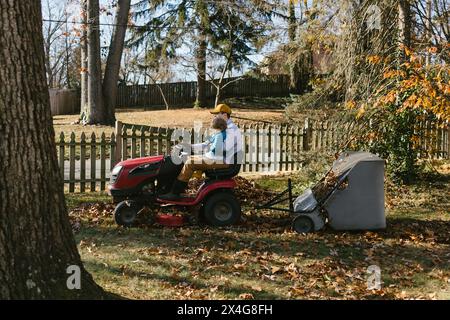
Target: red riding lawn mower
[137, 183]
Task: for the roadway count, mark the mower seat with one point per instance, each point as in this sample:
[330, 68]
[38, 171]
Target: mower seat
[226, 173]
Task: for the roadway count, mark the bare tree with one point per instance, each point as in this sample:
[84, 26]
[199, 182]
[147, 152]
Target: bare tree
[84, 63]
[99, 99]
[112, 69]
[96, 106]
[428, 30]
[219, 83]
[156, 72]
[433, 23]
[56, 45]
[233, 34]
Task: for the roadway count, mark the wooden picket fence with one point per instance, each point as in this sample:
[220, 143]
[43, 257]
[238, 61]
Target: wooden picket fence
[434, 139]
[86, 162]
[138, 141]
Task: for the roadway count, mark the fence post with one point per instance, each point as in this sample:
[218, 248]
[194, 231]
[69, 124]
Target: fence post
[118, 136]
[133, 142]
[103, 162]
[93, 159]
[142, 142]
[112, 151]
[83, 163]
[306, 134]
[244, 147]
[62, 144]
[258, 160]
[72, 163]
[448, 140]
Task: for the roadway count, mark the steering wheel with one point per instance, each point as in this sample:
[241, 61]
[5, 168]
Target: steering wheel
[178, 153]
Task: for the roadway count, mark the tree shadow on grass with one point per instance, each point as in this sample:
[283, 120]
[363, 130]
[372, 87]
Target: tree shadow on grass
[174, 279]
[419, 245]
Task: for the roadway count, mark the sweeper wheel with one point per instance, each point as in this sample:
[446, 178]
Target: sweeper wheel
[303, 224]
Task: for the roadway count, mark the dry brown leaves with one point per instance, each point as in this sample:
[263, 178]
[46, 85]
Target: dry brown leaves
[325, 186]
[324, 265]
[246, 191]
[91, 213]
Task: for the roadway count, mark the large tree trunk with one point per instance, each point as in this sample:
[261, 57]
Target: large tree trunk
[408, 119]
[201, 72]
[97, 112]
[114, 57]
[36, 240]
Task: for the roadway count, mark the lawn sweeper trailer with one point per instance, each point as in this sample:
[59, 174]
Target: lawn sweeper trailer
[349, 197]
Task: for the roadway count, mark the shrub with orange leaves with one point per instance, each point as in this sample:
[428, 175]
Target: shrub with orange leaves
[410, 91]
[421, 87]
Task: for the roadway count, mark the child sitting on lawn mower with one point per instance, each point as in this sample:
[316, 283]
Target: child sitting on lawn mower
[213, 159]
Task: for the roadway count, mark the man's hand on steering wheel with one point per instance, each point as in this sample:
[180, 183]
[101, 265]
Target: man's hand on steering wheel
[186, 146]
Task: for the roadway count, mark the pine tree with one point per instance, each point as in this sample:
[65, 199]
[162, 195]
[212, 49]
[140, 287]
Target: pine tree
[224, 30]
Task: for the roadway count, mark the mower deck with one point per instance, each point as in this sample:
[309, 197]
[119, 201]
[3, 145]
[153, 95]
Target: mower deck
[184, 201]
[169, 220]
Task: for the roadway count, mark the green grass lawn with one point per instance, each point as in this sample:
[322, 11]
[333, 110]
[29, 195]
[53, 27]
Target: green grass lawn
[263, 259]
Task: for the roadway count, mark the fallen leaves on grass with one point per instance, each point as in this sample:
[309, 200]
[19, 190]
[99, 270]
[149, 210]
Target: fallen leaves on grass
[246, 296]
[324, 265]
[91, 213]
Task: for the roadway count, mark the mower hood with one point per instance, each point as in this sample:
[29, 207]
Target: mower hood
[130, 163]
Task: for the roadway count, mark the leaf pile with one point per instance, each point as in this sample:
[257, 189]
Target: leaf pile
[246, 191]
[325, 186]
[91, 213]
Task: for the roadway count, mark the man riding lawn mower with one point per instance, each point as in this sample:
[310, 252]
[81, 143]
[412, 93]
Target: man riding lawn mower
[157, 182]
[224, 142]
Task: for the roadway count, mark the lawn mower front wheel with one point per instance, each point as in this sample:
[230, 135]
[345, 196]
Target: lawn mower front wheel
[126, 212]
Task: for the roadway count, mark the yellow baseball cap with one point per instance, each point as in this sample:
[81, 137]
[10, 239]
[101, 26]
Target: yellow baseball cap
[222, 107]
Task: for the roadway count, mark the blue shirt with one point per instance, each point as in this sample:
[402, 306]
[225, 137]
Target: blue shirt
[216, 149]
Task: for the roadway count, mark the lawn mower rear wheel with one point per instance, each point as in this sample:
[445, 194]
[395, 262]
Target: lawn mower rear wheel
[222, 209]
